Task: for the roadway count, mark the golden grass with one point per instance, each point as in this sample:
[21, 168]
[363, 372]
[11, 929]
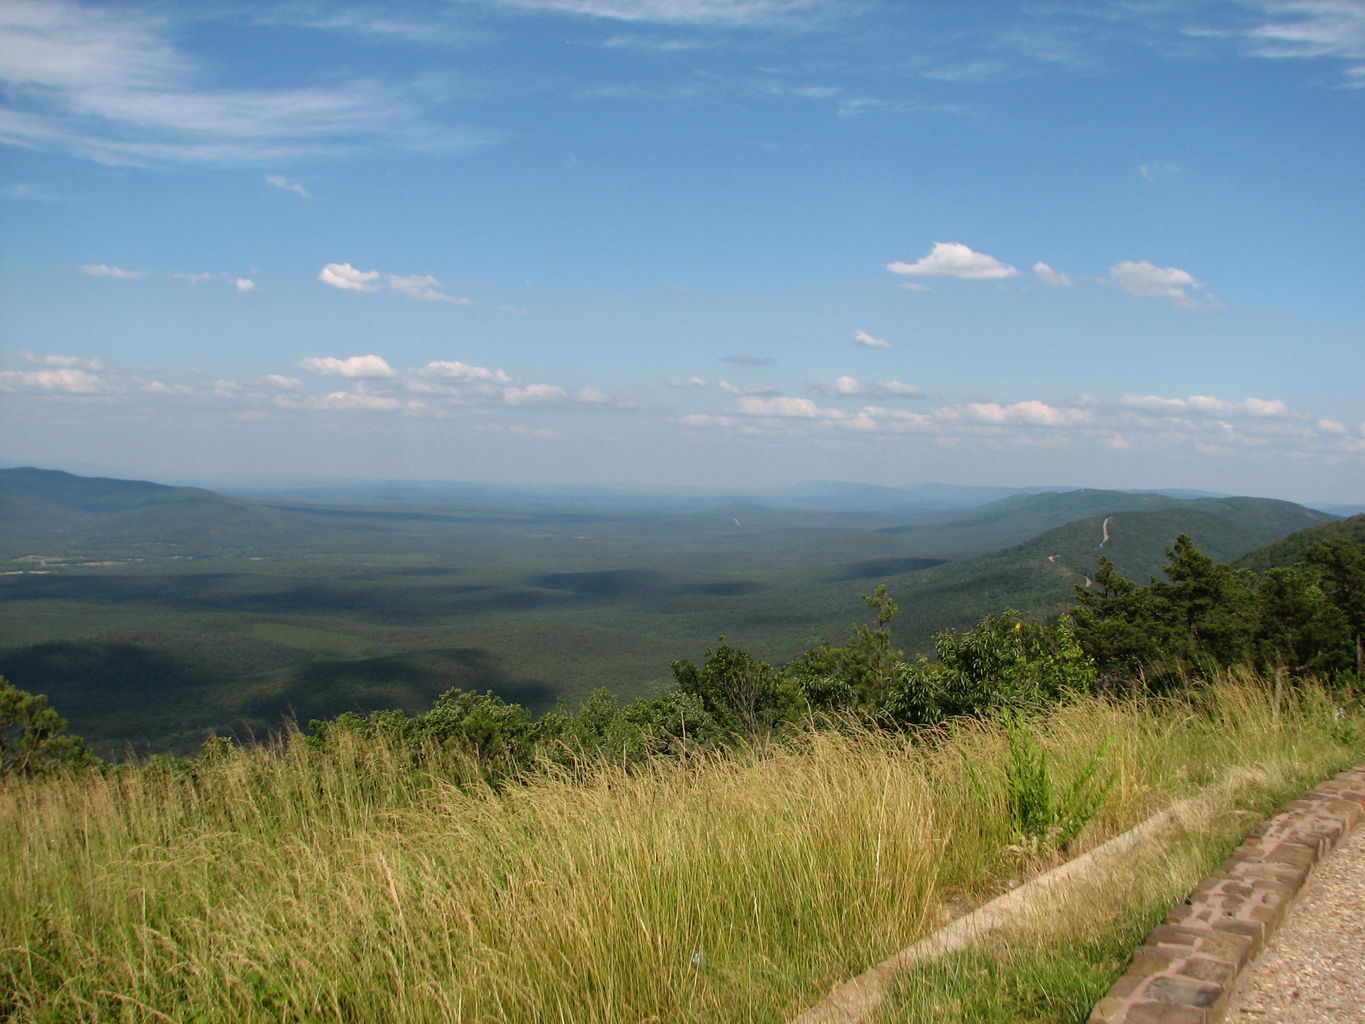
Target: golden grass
[288, 885]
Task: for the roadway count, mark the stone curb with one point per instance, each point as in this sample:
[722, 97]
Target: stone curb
[1186, 970]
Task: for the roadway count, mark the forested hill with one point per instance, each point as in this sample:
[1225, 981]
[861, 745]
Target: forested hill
[1019, 518]
[1294, 548]
[152, 615]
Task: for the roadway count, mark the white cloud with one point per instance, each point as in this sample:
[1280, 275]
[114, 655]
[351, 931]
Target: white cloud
[1051, 278]
[784, 406]
[354, 366]
[104, 270]
[464, 373]
[413, 286]
[193, 279]
[1031, 412]
[348, 279]
[156, 387]
[279, 382]
[421, 286]
[281, 182]
[868, 341]
[846, 386]
[1148, 281]
[244, 284]
[63, 381]
[687, 382]
[534, 393]
[71, 362]
[953, 259]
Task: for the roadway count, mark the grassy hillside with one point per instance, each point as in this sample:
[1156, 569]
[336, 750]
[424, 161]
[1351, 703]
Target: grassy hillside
[284, 884]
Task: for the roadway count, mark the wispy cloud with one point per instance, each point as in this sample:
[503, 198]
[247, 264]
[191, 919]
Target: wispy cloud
[109, 83]
[1158, 170]
[1050, 277]
[1148, 281]
[281, 182]
[105, 270]
[852, 386]
[720, 13]
[865, 340]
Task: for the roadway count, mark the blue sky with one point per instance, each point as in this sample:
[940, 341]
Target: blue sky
[1112, 244]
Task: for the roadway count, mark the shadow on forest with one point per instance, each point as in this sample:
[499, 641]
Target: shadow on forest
[411, 681]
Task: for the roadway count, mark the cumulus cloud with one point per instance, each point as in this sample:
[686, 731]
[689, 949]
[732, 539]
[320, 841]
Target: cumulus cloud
[868, 341]
[1205, 404]
[244, 285]
[1050, 277]
[784, 406]
[281, 182]
[354, 366]
[348, 279]
[104, 270]
[413, 286]
[850, 386]
[63, 381]
[534, 393]
[1148, 281]
[279, 382]
[953, 259]
[465, 373]
[1031, 411]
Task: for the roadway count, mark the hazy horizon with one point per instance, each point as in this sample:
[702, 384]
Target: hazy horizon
[688, 242]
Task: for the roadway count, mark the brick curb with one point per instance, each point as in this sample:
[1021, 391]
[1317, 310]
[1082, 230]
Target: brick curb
[1189, 965]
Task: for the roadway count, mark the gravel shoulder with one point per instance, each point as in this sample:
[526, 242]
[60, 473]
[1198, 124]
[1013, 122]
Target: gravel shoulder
[1312, 970]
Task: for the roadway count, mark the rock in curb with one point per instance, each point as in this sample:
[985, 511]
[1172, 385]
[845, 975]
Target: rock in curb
[1189, 965]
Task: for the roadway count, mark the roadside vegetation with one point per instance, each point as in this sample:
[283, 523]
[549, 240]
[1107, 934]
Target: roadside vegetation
[727, 850]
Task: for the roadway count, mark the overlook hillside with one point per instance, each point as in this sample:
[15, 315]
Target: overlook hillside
[152, 615]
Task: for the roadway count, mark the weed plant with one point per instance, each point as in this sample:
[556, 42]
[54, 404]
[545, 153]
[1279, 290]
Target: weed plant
[292, 884]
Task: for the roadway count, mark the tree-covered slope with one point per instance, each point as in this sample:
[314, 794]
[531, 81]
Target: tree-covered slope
[1294, 549]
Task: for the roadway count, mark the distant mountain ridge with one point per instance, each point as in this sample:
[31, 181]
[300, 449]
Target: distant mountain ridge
[100, 516]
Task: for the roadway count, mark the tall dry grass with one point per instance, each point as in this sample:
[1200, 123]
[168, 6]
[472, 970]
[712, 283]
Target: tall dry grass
[289, 885]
